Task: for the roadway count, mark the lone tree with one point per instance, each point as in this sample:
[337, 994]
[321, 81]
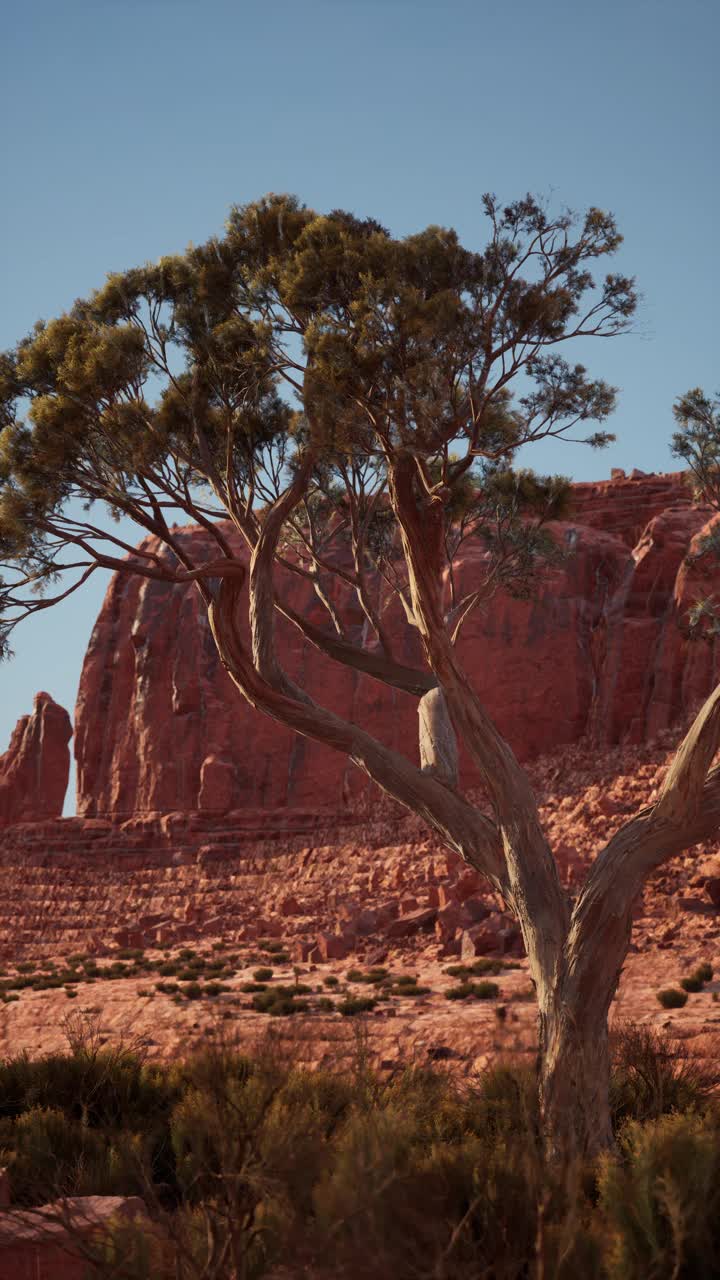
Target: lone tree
[161, 395]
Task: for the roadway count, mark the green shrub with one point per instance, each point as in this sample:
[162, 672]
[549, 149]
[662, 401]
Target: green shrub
[263, 975]
[353, 1005]
[692, 984]
[486, 990]
[282, 1001]
[671, 998]
[704, 972]
[473, 990]
[661, 1199]
[191, 991]
[653, 1075]
[331, 980]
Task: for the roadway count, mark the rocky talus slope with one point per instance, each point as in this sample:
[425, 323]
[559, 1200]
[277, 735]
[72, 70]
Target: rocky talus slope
[109, 912]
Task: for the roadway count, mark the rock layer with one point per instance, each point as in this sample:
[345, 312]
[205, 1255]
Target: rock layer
[35, 768]
[598, 652]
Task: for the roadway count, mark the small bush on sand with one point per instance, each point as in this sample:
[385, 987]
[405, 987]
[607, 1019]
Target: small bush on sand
[672, 998]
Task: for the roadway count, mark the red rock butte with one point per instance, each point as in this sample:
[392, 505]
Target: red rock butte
[599, 653]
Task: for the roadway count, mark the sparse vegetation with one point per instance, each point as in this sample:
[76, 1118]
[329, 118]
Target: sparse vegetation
[672, 998]
[692, 984]
[474, 990]
[352, 1005]
[412, 1175]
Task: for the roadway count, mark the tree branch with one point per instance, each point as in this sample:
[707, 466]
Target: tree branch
[459, 824]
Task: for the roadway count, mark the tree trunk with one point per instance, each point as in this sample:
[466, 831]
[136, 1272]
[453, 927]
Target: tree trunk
[574, 1082]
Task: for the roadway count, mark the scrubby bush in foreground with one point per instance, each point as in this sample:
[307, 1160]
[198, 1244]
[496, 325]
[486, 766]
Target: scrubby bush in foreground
[249, 1163]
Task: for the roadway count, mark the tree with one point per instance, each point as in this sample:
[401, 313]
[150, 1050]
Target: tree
[161, 395]
[697, 442]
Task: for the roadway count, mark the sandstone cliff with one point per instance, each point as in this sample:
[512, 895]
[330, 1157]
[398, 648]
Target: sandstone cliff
[34, 770]
[159, 726]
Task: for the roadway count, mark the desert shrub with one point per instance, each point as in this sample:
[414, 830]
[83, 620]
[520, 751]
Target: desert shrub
[692, 984]
[705, 971]
[215, 988]
[96, 1086]
[653, 1075]
[413, 1190]
[331, 981]
[352, 1005]
[282, 1001]
[49, 1155]
[406, 985]
[273, 947]
[473, 990]
[359, 1174]
[478, 967]
[671, 998]
[191, 991]
[262, 975]
[661, 1199]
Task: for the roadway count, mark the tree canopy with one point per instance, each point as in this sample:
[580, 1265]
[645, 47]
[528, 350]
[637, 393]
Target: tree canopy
[196, 386]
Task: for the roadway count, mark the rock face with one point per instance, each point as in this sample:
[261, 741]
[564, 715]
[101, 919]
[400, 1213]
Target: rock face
[35, 768]
[599, 652]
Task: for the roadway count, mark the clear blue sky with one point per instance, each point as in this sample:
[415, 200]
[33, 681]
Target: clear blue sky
[131, 126]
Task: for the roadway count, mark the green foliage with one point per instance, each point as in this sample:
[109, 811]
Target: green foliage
[671, 998]
[692, 984]
[473, 990]
[352, 1005]
[282, 1001]
[407, 1175]
[662, 1199]
[169, 380]
[653, 1075]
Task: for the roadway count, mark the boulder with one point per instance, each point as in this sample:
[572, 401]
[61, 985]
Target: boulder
[413, 922]
[712, 889]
